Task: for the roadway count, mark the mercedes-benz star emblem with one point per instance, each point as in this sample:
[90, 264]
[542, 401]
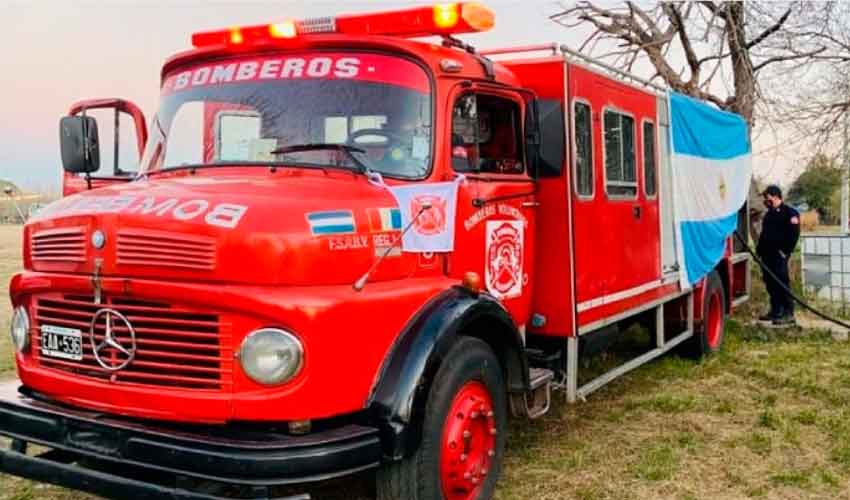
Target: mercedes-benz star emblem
[98, 239]
[109, 353]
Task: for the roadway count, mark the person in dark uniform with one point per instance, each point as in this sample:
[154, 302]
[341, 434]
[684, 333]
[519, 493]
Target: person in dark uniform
[779, 234]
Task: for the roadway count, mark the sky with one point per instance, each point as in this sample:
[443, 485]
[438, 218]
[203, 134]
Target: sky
[55, 53]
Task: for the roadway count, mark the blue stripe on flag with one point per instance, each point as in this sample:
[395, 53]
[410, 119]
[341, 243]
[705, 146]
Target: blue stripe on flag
[337, 229]
[703, 243]
[702, 130]
[333, 222]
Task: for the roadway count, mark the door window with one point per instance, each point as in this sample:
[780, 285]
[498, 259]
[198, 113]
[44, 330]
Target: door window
[620, 178]
[487, 135]
[582, 128]
[649, 161]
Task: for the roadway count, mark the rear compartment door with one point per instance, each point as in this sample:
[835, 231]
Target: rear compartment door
[122, 134]
[669, 253]
[616, 226]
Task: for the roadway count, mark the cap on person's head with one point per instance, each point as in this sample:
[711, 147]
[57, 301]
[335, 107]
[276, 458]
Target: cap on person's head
[772, 190]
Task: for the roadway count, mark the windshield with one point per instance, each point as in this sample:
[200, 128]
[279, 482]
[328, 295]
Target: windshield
[296, 110]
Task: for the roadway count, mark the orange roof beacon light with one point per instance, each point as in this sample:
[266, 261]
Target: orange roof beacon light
[285, 29]
[441, 19]
[236, 36]
[446, 15]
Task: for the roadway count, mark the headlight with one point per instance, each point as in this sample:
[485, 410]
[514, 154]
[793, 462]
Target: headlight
[271, 356]
[21, 328]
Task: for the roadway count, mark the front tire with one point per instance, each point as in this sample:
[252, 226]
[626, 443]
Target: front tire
[463, 432]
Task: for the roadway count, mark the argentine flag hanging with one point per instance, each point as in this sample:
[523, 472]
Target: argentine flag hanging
[712, 167]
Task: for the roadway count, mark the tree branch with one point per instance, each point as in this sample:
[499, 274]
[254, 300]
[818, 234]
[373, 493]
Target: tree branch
[788, 57]
[769, 31]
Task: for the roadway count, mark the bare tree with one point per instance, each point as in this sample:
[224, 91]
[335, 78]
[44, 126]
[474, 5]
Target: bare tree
[697, 48]
[815, 105]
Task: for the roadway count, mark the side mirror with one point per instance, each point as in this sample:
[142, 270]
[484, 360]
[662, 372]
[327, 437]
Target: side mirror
[79, 144]
[545, 137]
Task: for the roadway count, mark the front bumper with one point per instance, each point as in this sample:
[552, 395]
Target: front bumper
[123, 458]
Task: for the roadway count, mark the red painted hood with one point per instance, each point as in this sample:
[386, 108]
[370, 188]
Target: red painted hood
[246, 226]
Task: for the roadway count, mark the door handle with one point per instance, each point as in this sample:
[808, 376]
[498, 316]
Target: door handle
[636, 211]
[530, 204]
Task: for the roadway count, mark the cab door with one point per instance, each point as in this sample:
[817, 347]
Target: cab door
[122, 135]
[494, 234]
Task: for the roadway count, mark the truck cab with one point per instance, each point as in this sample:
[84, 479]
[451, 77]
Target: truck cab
[342, 249]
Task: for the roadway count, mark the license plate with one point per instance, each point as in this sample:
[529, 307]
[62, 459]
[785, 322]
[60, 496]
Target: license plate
[61, 342]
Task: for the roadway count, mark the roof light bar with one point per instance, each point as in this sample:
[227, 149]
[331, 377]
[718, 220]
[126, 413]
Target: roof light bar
[441, 19]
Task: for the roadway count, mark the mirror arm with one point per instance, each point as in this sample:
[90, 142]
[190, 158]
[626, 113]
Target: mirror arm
[116, 168]
[533, 137]
[86, 146]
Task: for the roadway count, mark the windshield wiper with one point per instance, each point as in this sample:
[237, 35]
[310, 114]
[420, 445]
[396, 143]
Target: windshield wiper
[317, 146]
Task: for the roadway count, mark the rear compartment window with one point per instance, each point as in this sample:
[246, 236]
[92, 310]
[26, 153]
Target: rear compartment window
[584, 149]
[620, 177]
[649, 162]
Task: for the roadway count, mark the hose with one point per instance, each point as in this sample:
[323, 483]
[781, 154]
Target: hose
[798, 300]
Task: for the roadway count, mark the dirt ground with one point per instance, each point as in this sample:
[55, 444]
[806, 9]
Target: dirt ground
[769, 418]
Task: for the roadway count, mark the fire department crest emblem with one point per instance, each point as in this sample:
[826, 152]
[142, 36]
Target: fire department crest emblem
[431, 221]
[504, 253]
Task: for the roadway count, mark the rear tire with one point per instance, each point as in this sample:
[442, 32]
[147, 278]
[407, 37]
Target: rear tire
[460, 456]
[708, 336]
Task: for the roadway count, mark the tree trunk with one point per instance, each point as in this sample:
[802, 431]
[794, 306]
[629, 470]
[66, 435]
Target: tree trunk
[743, 102]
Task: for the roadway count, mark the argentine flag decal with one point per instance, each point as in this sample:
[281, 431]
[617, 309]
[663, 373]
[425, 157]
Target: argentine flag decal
[334, 222]
[712, 166]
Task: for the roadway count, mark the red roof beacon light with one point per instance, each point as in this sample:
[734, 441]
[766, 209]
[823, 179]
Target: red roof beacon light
[440, 19]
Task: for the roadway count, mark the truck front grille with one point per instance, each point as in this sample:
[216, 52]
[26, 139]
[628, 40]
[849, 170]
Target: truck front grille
[62, 245]
[176, 346]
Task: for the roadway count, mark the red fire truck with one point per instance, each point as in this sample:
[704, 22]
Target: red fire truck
[239, 313]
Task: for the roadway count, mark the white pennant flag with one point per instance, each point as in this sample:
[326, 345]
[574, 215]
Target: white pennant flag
[433, 229]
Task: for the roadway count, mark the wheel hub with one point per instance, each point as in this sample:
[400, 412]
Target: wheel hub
[469, 442]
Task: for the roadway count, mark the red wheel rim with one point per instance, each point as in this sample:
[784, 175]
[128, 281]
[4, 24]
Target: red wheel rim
[469, 442]
[714, 324]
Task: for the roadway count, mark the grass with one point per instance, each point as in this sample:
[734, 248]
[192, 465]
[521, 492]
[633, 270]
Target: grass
[10, 262]
[768, 418]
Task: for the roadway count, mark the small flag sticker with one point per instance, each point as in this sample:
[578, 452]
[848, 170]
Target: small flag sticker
[335, 222]
[384, 219]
